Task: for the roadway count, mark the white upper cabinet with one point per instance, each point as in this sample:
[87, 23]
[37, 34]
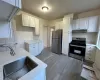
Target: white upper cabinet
[32, 21]
[83, 23]
[27, 20]
[77, 24]
[8, 9]
[90, 24]
[73, 24]
[12, 2]
[80, 24]
[37, 26]
[93, 24]
[16, 3]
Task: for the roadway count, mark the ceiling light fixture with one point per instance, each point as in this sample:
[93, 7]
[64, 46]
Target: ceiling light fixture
[45, 9]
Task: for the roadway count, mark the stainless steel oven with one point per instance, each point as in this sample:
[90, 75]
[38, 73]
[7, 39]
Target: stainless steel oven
[77, 47]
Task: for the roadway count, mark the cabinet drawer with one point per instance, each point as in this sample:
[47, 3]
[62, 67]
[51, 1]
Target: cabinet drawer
[33, 45]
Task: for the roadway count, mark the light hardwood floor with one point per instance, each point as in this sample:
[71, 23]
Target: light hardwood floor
[60, 67]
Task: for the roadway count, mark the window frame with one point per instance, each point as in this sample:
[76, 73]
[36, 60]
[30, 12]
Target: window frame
[98, 41]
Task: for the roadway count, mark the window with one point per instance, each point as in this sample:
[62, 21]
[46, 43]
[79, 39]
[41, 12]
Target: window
[98, 41]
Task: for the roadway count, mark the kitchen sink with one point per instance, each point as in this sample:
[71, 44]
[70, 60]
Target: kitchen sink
[18, 68]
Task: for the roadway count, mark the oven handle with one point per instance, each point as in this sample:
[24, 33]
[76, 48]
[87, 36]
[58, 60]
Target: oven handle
[77, 46]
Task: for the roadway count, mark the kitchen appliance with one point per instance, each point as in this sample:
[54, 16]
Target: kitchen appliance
[80, 30]
[77, 48]
[57, 41]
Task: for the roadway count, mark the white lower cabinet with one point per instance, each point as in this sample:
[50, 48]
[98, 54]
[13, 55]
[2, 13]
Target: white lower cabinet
[40, 47]
[34, 48]
[90, 53]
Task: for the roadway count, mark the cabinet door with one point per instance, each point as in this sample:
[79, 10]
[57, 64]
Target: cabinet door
[73, 24]
[33, 48]
[18, 3]
[31, 21]
[41, 75]
[37, 30]
[40, 47]
[77, 25]
[25, 20]
[90, 53]
[93, 24]
[83, 23]
[12, 2]
[37, 49]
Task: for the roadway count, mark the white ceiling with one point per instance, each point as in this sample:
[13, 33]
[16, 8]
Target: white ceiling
[58, 8]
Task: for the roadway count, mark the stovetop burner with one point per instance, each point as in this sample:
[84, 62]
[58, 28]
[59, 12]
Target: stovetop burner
[79, 41]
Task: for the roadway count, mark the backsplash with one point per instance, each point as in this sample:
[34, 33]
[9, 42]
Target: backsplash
[19, 35]
[79, 35]
[90, 37]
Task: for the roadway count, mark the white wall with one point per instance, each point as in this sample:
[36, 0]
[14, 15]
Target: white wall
[80, 35]
[89, 13]
[22, 34]
[27, 33]
[90, 37]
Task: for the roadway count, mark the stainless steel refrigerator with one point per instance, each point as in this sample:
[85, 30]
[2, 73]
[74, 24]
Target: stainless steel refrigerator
[57, 41]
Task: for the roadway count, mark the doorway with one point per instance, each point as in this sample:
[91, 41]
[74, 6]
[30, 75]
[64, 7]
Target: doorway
[51, 30]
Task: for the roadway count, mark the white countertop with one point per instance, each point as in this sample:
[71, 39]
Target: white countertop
[6, 58]
[89, 44]
[33, 41]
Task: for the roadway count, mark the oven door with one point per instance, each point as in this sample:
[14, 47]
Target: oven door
[78, 50]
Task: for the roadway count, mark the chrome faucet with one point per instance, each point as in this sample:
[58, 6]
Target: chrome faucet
[12, 52]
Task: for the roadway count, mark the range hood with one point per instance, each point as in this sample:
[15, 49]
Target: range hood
[7, 11]
[80, 31]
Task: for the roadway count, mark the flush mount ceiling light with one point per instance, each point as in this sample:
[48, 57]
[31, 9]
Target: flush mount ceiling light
[45, 9]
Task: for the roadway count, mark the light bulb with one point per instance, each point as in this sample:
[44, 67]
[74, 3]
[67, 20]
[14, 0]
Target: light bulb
[45, 9]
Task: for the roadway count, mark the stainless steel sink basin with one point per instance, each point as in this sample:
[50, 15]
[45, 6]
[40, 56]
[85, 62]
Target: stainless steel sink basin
[17, 69]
